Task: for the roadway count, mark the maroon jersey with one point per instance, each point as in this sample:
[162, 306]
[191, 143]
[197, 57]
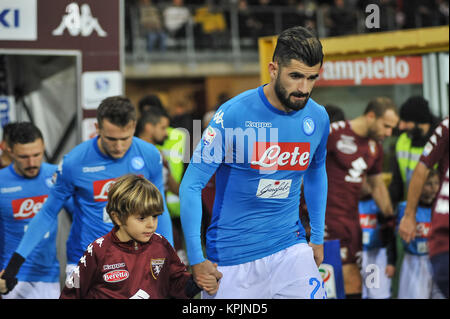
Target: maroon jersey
[436, 151]
[113, 269]
[349, 158]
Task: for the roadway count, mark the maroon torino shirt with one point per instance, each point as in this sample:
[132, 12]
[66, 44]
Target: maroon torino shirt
[349, 158]
[110, 268]
[436, 151]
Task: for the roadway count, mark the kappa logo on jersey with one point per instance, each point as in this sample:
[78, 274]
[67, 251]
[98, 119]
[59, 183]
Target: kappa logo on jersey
[423, 229]
[156, 266]
[27, 207]
[218, 118]
[368, 221]
[116, 276]
[101, 189]
[280, 156]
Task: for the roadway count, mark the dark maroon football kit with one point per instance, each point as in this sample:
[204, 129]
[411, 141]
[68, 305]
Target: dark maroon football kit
[349, 158]
[113, 269]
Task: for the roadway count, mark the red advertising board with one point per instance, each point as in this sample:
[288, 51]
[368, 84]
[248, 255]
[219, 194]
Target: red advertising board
[386, 70]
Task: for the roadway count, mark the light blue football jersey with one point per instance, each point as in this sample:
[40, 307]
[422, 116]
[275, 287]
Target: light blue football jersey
[20, 201]
[260, 156]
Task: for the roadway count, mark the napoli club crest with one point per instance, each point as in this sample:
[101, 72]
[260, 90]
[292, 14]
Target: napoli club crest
[156, 266]
[308, 126]
[137, 162]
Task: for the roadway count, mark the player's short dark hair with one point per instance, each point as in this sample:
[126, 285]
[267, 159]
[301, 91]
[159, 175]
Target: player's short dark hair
[117, 109]
[133, 195]
[7, 131]
[300, 44]
[153, 115]
[380, 105]
[149, 101]
[23, 133]
[335, 113]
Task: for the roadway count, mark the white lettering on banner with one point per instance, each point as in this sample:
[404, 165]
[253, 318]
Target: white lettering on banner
[388, 68]
[18, 20]
[78, 23]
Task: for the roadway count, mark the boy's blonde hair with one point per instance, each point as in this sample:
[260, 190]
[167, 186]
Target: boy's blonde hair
[133, 195]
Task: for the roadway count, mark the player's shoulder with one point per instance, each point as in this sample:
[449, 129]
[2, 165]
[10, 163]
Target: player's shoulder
[81, 151]
[5, 171]
[318, 111]
[338, 127]
[49, 168]
[144, 150]
[238, 104]
[143, 145]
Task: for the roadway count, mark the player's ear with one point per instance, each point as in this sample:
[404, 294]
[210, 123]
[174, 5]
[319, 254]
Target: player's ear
[273, 70]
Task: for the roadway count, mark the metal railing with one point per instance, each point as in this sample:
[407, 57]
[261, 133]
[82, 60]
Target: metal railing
[236, 43]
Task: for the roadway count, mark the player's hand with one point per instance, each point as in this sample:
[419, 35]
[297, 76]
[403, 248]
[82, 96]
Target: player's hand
[3, 289]
[208, 283]
[407, 228]
[390, 271]
[204, 269]
[318, 253]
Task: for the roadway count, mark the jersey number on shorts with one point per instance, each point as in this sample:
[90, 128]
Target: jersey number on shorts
[314, 281]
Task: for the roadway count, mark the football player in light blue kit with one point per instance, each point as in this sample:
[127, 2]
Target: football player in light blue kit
[260, 145]
[86, 173]
[24, 187]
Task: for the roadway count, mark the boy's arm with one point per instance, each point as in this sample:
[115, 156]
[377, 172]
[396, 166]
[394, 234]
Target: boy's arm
[77, 285]
[181, 282]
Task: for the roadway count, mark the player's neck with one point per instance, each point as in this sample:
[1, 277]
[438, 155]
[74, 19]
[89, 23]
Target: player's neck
[360, 126]
[146, 138]
[269, 92]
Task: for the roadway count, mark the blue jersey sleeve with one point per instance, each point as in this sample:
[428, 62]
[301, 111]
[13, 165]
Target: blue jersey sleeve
[43, 221]
[207, 157]
[316, 188]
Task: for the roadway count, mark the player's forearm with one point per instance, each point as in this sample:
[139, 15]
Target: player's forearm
[316, 190]
[418, 179]
[37, 229]
[193, 182]
[381, 196]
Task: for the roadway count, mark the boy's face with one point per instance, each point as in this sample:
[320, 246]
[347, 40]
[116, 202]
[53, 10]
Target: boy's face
[430, 189]
[137, 227]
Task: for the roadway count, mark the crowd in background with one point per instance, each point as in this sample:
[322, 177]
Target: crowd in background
[164, 23]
